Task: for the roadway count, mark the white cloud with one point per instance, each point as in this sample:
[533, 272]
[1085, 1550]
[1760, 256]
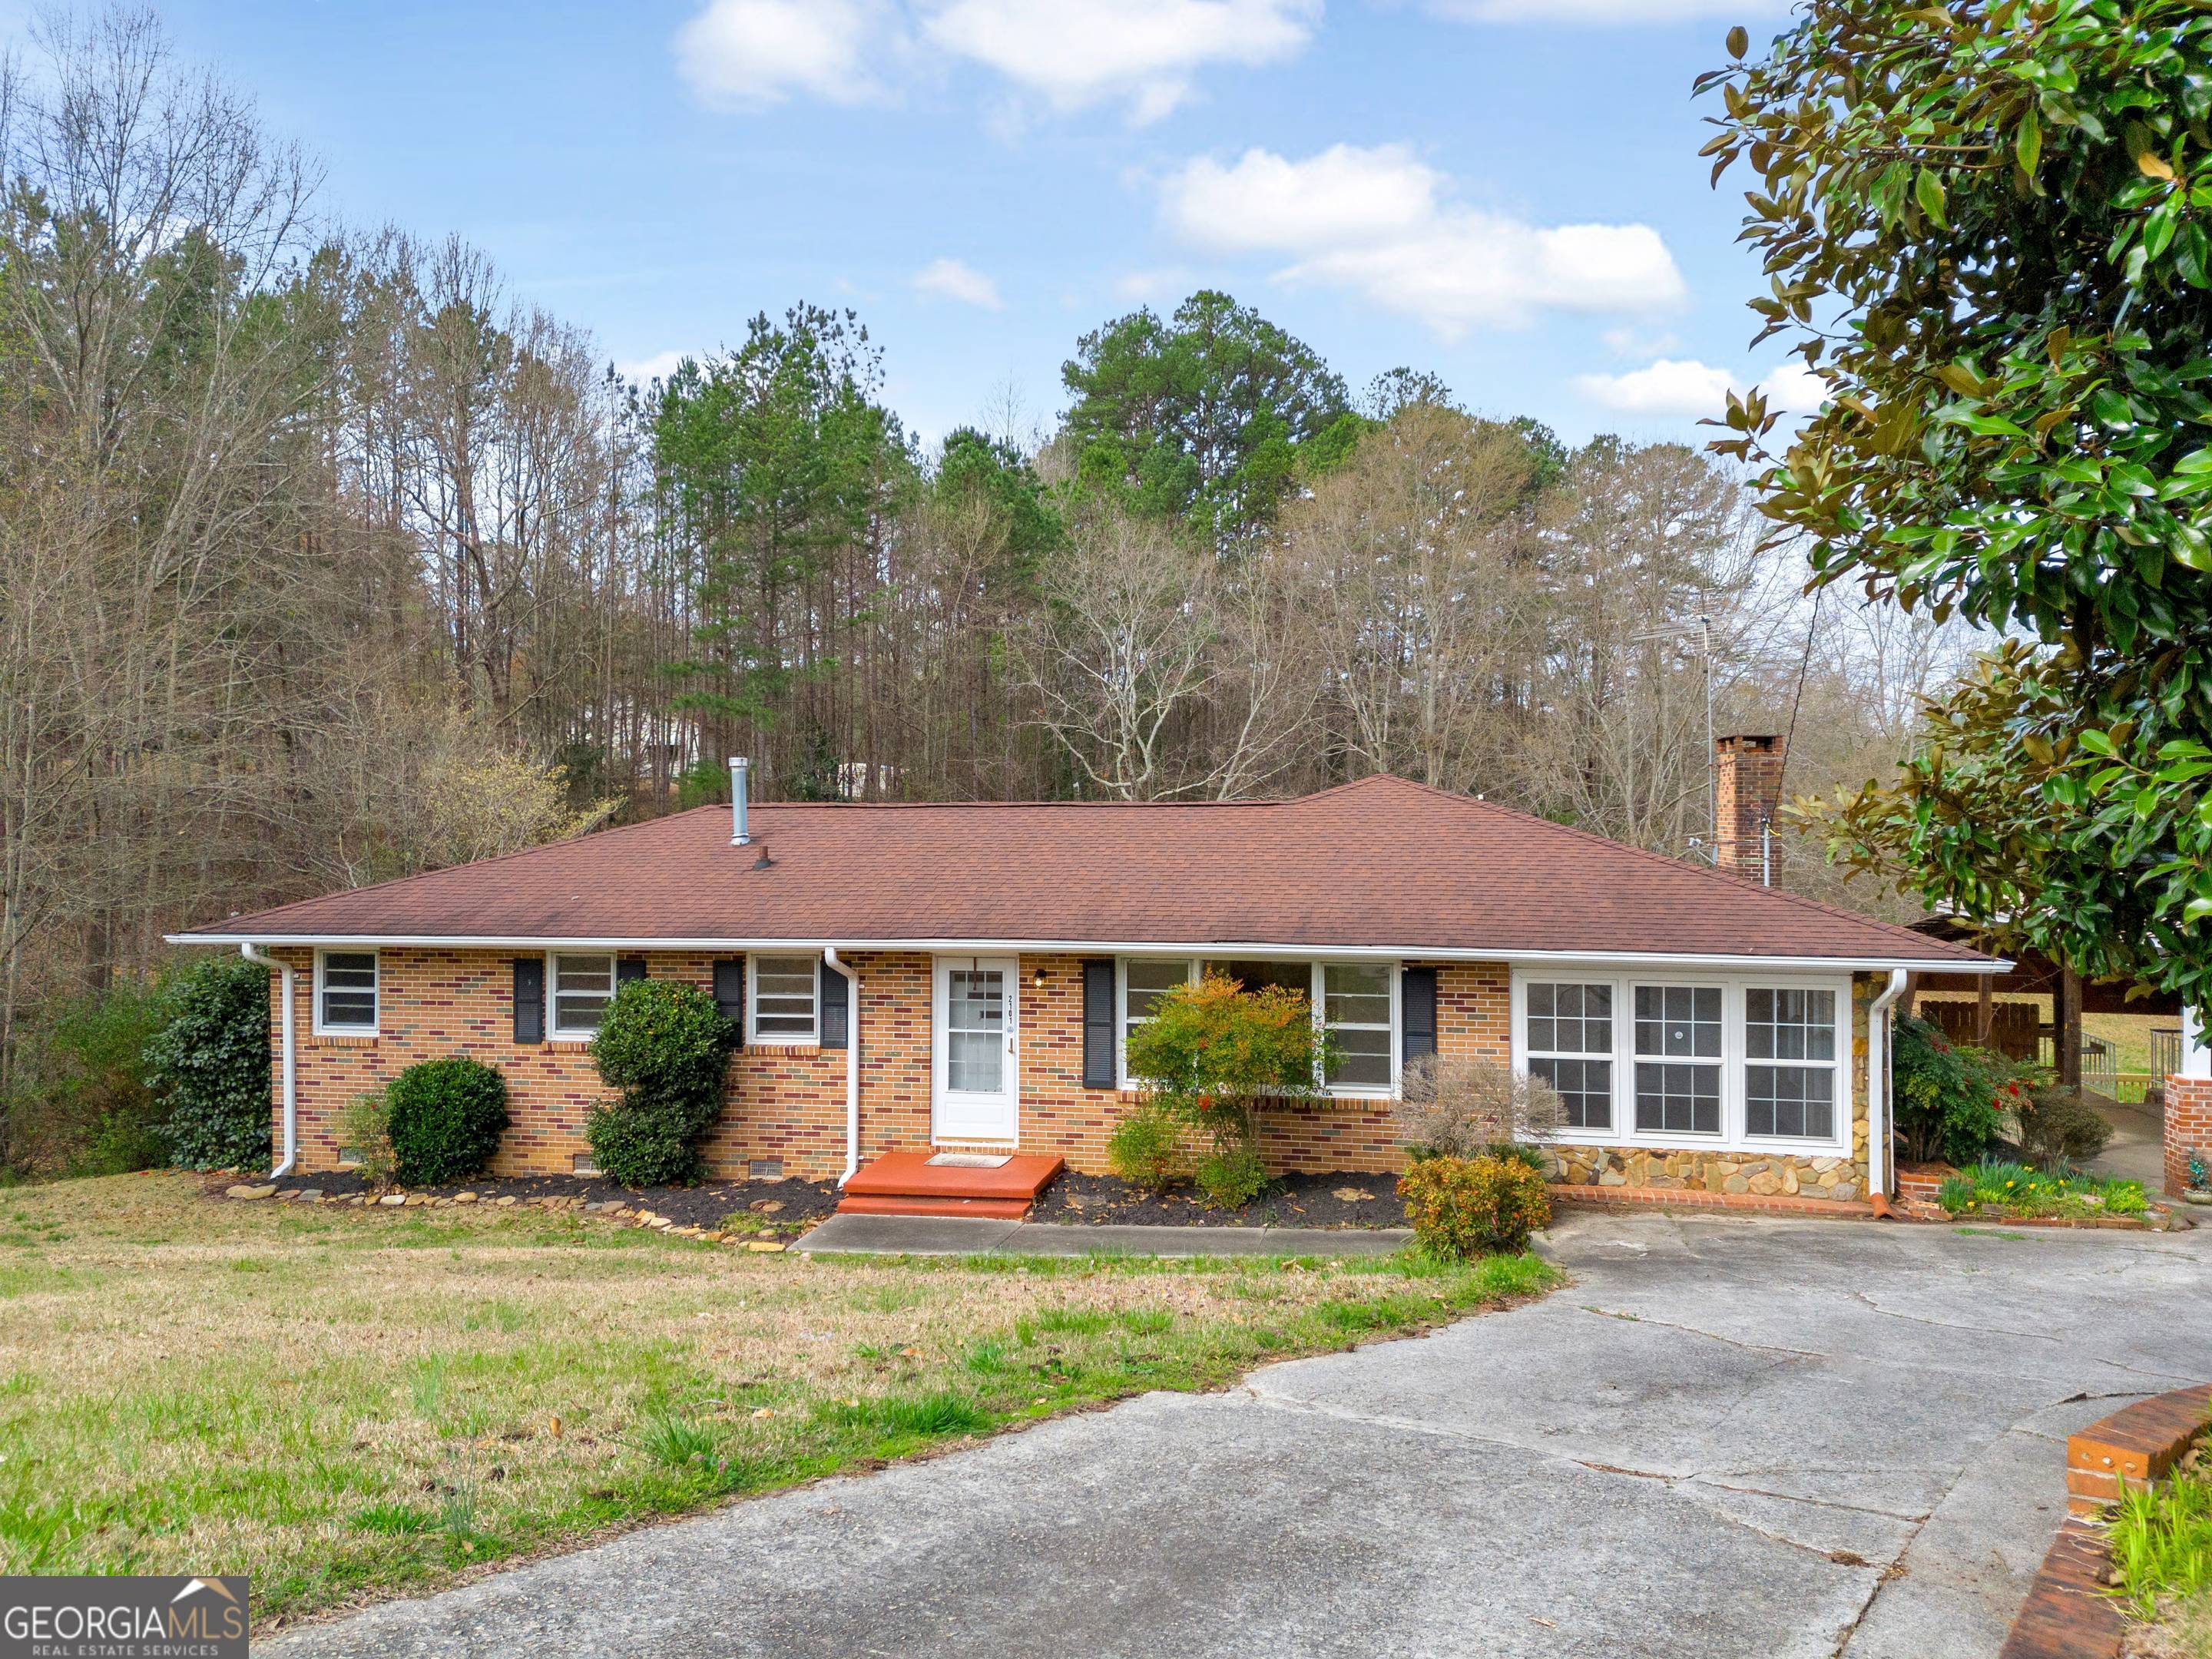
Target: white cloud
[1378, 222]
[747, 54]
[950, 279]
[658, 367]
[1670, 387]
[1160, 282]
[1795, 389]
[1076, 53]
[1685, 388]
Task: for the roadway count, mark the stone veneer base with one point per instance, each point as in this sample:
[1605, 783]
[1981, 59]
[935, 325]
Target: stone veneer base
[1743, 1174]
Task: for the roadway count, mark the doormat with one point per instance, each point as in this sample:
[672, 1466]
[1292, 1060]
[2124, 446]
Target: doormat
[971, 1160]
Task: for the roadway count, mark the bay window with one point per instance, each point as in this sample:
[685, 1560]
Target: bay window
[1741, 1062]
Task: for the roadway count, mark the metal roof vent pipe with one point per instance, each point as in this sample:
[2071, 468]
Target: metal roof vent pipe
[739, 767]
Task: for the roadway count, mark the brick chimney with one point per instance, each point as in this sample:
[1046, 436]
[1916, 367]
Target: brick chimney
[1747, 792]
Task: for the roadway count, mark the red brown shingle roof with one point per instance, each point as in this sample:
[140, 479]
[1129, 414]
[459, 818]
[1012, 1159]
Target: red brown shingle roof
[1379, 863]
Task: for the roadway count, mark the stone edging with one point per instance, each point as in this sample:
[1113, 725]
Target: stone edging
[622, 1214]
[2070, 1614]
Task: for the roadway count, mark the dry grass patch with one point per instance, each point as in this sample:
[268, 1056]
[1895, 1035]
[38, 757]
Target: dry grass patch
[346, 1403]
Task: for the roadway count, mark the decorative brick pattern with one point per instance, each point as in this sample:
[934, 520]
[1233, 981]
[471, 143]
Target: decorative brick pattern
[2188, 1128]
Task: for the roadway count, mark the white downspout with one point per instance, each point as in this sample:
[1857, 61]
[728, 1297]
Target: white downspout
[1878, 1081]
[291, 1082]
[852, 1061]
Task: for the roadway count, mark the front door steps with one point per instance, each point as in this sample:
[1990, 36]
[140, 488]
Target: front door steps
[908, 1183]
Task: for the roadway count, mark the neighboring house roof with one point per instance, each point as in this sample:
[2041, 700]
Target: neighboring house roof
[1381, 863]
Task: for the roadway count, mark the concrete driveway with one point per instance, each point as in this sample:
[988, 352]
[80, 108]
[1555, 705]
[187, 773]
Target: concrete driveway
[1726, 1437]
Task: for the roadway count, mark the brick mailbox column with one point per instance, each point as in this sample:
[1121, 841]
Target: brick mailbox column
[2188, 1127]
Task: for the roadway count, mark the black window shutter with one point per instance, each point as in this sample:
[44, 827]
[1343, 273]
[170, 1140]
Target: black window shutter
[730, 989]
[1098, 1067]
[1417, 1004]
[530, 999]
[628, 969]
[837, 1008]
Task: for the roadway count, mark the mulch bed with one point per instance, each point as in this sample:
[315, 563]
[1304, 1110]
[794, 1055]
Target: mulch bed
[799, 1203]
[1300, 1201]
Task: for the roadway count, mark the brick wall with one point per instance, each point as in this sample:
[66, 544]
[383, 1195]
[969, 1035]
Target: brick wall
[788, 1103]
[1747, 789]
[2188, 1127]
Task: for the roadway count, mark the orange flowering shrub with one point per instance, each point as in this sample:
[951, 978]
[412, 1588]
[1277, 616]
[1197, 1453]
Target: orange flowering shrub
[1466, 1206]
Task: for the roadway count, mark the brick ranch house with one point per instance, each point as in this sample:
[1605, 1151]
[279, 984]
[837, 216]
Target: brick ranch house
[963, 976]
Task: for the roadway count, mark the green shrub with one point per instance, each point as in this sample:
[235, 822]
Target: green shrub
[1233, 1176]
[665, 1049]
[1950, 1099]
[1460, 1208]
[444, 1118]
[2058, 1127]
[365, 1130]
[209, 1058]
[1148, 1148]
[1210, 1053]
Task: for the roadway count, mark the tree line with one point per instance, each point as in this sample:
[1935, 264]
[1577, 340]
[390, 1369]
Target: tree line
[326, 560]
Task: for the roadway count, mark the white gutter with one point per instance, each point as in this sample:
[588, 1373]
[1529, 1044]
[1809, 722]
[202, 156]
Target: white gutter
[1878, 1082]
[291, 1080]
[1121, 947]
[852, 1061]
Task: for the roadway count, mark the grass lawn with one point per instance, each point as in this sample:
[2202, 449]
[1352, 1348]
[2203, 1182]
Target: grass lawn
[346, 1404]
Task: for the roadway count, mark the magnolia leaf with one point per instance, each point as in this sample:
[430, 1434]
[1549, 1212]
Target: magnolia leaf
[1928, 190]
[2152, 165]
[1739, 41]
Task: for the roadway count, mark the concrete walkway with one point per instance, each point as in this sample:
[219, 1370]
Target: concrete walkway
[922, 1234]
[1768, 1438]
[2138, 1148]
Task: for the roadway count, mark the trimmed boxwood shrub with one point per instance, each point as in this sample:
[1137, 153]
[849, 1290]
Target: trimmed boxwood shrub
[664, 1048]
[209, 1055]
[1467, 1207]
[444, 1118]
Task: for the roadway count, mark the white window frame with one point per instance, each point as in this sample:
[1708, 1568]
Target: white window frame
[554, 1031]
[1316, 998]
[1734, 1137]
[1610, 1054]
[320, 1027]
[755, 1037]
[1836, 1066]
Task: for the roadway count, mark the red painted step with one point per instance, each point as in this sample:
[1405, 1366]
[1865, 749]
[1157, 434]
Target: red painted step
[988, 1209]
[908, 1183]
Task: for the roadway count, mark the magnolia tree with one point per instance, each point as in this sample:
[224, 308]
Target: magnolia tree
[1985, 228]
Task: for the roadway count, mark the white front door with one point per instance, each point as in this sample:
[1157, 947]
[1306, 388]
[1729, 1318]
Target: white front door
[974, 1041]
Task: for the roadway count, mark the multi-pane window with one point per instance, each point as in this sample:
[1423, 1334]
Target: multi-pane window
[1569, 1046]
[345, 1000]
[1143, 984]
[784, 1000]
[581, 987]
[1790, 1063]
[1678, 1058]
[1356, 1013]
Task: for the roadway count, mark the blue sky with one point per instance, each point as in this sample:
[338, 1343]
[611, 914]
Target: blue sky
[1505, 191]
